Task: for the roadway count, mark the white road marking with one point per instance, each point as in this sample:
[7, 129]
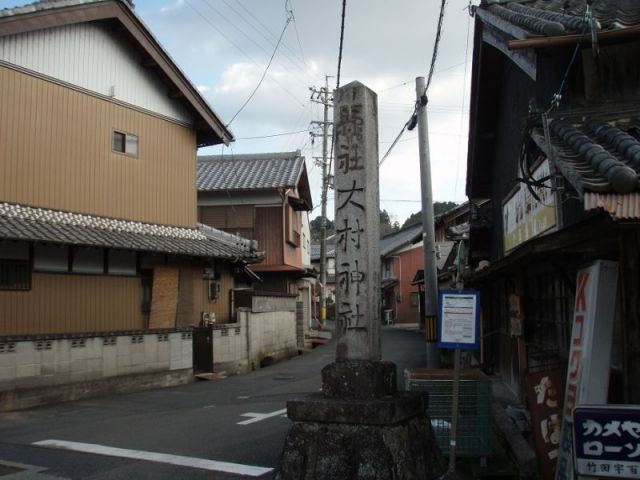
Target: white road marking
[192, 462]
[258, 417]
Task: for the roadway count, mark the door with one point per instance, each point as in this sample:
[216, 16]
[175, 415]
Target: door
[202, 350]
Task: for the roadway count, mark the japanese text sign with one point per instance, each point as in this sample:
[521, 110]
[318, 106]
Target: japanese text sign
[459, 319]
[607, 441]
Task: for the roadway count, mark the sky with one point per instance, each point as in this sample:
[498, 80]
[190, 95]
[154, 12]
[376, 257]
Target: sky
[224, 47]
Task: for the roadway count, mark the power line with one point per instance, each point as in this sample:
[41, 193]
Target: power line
[344, 8]
[466, 56]
[263, 74]
[414, 116]
[434, 55]
[259, 45]
[272, 135]
[212, 25]
[295, 25]
[266, 29]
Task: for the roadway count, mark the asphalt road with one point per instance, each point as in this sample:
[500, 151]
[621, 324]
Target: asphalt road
[191, 426]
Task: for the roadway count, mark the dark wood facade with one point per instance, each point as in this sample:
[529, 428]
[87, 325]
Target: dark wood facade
[541, 272]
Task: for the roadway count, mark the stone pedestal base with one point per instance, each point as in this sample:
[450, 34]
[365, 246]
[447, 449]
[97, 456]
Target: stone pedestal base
[352, 439]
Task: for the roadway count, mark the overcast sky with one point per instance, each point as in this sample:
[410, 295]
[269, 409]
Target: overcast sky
[224, 46]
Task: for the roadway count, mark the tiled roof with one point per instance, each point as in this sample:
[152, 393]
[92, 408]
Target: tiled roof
[595, 155]
[400, 239]
[563, 17]
[249, 171]
[19, 222]
[42, 5]
[315, 251]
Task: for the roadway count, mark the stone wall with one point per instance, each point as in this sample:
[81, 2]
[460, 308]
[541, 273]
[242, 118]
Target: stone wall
[29, 367]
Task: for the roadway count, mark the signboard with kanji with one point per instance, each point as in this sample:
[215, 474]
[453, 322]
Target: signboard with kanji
[544, 397]
[607, 441]
[587, 381]
[459, 319]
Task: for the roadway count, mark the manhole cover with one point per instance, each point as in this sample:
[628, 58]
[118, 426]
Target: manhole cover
[283, 377]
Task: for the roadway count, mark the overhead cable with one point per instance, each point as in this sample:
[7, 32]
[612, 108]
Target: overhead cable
[264, 73]
[422, 102]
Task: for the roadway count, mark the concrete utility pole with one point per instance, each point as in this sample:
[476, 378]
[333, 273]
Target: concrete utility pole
[323, 94]
[430, 311]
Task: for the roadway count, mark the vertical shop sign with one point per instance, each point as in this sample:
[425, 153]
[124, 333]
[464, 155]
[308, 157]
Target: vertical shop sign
[590, 351]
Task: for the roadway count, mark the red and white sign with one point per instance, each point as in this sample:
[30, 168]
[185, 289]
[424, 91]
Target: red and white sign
[590, 353]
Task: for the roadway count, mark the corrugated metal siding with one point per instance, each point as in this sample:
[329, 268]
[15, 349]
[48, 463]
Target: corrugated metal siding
[72, 304]
[269, 234]
[91, 56]
[55, 152]
[620, 207]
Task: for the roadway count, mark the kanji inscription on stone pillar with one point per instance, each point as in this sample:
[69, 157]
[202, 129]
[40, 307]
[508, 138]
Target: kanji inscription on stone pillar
[357, 223]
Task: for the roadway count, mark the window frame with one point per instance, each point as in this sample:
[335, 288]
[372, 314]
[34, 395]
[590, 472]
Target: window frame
[126, 137]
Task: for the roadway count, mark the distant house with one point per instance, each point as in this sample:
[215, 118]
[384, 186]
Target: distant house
[104, 269]
[330, 266]
[265, 197]
[402, 257]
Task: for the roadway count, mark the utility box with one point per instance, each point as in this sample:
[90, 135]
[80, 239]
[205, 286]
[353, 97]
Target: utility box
[474, 411]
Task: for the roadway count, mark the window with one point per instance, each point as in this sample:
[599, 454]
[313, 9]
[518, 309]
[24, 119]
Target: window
[50, 258]
[15, 266]
[15, 275]
[125, 143]
[292, 226]
[121, 263]
[88, 260]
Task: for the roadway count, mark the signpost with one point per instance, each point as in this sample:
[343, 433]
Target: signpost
[607, 441]
[458, 328]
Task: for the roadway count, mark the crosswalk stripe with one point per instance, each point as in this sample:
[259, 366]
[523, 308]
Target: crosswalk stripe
[193, 462]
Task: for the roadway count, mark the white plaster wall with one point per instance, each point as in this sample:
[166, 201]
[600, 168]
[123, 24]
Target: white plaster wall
[90, 56]
[36, 363]
[271, 334]
[266, 304]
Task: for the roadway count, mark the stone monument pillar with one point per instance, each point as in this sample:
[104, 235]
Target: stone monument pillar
[360, 426]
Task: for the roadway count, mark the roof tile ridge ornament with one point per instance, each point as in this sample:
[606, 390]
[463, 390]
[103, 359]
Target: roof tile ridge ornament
[62, 217]
[572, 22]
[530, 22]
[622, 177]
[236, 241]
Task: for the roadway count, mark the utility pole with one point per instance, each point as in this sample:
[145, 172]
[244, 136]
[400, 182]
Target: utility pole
[428, 234]
[322, 96]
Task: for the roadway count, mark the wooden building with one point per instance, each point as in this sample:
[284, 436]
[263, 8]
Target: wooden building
[264, 197]
[555, 146]
[99, 240]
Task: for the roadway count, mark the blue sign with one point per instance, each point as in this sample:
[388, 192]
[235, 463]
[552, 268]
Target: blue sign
[607, 441]
[459, 319]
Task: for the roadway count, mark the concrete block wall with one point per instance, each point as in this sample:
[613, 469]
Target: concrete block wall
[58, 361]
[230, 353]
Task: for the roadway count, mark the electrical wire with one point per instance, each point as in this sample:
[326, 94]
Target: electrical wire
[422, 102]
[344, 8]
[263, 74]
[295, 25]
[466, 56]
[273, 135]
[212, 25]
